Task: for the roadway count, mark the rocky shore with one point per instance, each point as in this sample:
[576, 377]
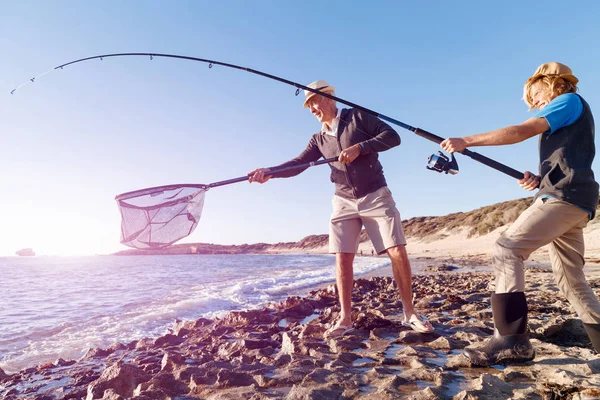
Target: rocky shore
[279, 352]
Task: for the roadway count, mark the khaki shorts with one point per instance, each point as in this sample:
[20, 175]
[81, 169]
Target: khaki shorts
[376, 211]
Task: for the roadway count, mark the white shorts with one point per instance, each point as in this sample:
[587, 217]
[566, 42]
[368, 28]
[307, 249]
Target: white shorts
[376, 211]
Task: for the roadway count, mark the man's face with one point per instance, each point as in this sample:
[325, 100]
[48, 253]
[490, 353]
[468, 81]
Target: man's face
[540, 95]
[322, 108]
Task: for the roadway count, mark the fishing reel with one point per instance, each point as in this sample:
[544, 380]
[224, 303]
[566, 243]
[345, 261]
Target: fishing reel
[441, 163]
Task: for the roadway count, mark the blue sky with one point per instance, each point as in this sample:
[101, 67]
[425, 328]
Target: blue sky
[77, 137]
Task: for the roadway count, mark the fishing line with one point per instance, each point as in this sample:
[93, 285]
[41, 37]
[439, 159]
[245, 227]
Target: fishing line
[31, 80]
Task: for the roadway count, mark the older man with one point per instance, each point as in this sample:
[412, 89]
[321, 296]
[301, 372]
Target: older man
[361, 197]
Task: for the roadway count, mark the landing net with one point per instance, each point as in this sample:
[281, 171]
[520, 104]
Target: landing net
[158, 217]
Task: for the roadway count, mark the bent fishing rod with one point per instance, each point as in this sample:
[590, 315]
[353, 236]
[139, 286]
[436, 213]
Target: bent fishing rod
[439, 162]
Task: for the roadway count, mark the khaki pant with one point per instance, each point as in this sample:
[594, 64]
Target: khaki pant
[557, 224]
[376, 211]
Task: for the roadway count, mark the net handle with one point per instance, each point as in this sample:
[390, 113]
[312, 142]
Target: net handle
[142, 192]
[274, 171]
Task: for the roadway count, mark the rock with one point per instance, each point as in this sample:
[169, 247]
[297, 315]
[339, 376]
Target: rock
[63, 363]
[287, 345]
[258, 344]
[324, 392]
[226, 378]
[412, 337]
[3, 375]
[427, 394]
[111, 394]
[163, 382]
[144, 343]
[122, 378]
[441, 268]
[171, 361]
[182, 328]
[487, 387]
[168, 340]
[252, 317]
[390, 383]
[310, 330]
[372, 320]
[568, 333]
[458, 361]
[295, 308]
[317, 376]
[444, 343]
[96, 353]
[198, 381]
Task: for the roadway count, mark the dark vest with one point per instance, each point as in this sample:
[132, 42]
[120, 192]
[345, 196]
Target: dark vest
[566, 157]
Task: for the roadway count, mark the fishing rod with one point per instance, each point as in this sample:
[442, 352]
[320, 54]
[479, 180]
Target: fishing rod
[436, 162]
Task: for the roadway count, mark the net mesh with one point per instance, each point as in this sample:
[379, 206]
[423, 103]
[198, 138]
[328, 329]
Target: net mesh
[158, 217]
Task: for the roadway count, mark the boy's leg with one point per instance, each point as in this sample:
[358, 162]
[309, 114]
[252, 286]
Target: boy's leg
[540, 224]
[567, 257]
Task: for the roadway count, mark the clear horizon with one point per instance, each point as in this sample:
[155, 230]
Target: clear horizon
[75, 138]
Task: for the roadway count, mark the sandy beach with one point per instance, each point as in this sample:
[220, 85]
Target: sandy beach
[279, 351]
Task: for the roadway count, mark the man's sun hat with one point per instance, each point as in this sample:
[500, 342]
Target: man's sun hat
[319, 85]
[555, 69]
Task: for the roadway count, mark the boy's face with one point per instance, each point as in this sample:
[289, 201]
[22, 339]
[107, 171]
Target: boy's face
[541, 95]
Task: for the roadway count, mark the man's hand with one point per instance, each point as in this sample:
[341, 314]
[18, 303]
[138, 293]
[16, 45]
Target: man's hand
[259, 175]
[348, 155]
[530, 181]
[452, 145]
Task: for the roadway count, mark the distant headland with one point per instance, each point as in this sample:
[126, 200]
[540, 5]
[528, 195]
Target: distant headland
[310, 243]
[25, 252]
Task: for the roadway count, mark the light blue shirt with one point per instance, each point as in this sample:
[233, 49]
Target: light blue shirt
[561, 111]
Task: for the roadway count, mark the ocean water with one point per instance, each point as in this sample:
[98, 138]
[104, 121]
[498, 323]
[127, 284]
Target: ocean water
[59, 307]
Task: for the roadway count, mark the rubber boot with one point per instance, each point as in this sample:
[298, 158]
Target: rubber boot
[510, 343]
[593, 331]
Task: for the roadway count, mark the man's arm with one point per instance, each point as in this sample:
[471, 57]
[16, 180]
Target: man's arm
[311, 153]
[382, 137]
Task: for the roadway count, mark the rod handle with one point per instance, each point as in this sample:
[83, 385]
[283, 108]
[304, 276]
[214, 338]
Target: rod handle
[494, 164]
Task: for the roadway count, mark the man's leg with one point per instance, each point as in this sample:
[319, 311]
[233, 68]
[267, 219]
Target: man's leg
[402, 276]
[344, 233]
[345, 282]
[383, 223]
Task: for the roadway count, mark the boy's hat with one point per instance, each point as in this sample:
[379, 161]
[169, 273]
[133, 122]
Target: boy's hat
[555, 69]
[319, 85]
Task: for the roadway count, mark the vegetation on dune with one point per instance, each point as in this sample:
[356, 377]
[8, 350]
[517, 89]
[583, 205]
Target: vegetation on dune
[478, 222]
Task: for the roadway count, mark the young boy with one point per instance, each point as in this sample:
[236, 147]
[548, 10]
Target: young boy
[566, 201]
